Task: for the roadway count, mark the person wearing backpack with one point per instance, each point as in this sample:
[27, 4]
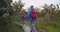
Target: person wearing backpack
[32, 16]
[23, 16]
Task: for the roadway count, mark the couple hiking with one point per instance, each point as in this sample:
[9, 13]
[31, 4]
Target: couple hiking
[31, 15]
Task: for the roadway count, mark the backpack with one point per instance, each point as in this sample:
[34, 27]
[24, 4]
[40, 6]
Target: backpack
[34, 14]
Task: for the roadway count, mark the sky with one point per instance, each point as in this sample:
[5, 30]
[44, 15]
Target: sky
[38, 3]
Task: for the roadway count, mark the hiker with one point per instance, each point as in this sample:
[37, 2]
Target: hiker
[23, 16]
[32, 16]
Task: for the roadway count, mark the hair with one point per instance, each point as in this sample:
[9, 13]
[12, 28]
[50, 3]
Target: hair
[32, 6]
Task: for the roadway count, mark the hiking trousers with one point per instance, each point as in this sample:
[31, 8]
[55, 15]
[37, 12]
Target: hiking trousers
[32, 21]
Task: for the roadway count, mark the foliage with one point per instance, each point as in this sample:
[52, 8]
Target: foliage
[8, 16]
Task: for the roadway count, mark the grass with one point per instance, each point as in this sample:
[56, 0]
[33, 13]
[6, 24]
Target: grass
[16, 29]
[52, 29]
[42, 27]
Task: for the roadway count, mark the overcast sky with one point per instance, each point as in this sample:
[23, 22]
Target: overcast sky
[38, 3]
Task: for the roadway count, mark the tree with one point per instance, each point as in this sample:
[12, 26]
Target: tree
[49, 12]
[38, 9]
[3, 3]
[5, 21]
[17, 6]
[7, 17]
